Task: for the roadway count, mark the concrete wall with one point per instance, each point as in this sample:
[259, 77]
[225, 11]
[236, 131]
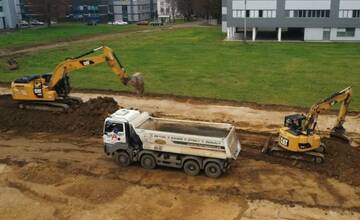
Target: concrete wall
[316, 34]
[9, 14]
[334, 36]
[349, 4]
[137, 10]
[307, 4]
[313, 34]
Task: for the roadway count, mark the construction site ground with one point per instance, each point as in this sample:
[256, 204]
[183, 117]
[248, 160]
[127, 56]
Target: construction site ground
[52, 166]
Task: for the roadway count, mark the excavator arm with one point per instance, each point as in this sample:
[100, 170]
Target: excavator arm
[83, 61]
[344, 97]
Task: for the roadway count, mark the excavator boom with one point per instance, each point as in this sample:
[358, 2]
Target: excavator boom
[343, 97]
[83, 61]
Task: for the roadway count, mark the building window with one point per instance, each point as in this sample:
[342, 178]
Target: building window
[349, 13]
[224, 10]
[308, 13]
[1, 8]
[254, 13]
[345, 32]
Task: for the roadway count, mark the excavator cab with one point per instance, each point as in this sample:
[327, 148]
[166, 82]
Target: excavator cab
[63, 88]
[295, 123]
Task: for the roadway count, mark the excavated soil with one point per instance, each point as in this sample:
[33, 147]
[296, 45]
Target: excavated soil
[342, 161]
[47, 176]
[55, 161]
[86, 119]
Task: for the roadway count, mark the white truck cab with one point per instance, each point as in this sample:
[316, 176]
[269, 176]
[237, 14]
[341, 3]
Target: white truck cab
[130, 136]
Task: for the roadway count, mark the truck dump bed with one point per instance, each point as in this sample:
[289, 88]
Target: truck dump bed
[184, 127]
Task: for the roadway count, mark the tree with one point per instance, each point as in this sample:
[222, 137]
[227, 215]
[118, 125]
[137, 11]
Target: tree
[173, 7]
[46, 10]
[185, 7]
[208, 9]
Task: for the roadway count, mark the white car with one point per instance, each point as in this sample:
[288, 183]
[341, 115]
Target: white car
[36, 22]
[119, 22]
[24, 23]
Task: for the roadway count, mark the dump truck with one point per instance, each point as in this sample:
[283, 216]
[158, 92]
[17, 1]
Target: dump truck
[132, 136]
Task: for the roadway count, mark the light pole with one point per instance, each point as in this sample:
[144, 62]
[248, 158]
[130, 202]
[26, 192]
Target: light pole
[245, 1]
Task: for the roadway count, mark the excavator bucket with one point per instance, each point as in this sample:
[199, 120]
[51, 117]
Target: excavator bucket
[339, 132]
[137, 81]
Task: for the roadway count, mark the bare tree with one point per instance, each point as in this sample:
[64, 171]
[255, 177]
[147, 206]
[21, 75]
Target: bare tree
[47, 10]
[185, 7]
[208, 9]
[173, 7]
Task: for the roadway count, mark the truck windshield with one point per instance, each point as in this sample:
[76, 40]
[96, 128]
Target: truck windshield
[115, 127]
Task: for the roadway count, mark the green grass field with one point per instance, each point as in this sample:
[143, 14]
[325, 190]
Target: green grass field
[58, 32]
[197, 62]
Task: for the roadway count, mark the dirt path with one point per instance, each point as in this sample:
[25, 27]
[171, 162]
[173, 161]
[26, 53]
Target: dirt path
[8, 52]
[43, 176]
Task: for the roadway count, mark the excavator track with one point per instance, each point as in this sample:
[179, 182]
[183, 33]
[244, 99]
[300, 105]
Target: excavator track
[271, 148]
[310, 156]
[61, 105]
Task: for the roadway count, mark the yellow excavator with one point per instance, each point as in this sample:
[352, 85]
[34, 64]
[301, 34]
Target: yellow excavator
[51, 91]
[298, 138]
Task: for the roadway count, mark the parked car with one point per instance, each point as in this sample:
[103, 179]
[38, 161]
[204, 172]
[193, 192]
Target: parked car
[142, 23]
[119, 22]
[24, 23]
[36, 22]
[156, 23]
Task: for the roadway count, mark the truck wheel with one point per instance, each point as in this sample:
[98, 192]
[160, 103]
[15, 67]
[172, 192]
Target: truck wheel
[213, 170]
[191, 168]
[148, 161]
[122, 158]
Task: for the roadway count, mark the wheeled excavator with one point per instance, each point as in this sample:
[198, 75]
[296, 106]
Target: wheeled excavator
[299, 139]
[51, 91]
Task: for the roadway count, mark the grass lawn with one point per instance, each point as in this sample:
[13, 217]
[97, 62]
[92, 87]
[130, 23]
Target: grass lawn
[197, 62]
[58, 32]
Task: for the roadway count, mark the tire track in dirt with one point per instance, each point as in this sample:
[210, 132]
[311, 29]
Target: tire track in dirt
[149, 179]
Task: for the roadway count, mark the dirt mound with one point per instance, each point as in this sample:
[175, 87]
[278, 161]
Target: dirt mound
[87, 119]
[342, 161]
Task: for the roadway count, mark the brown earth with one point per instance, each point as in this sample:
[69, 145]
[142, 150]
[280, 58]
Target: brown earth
[66, 173]
[86, 119]
[53, 176]
[342, 161]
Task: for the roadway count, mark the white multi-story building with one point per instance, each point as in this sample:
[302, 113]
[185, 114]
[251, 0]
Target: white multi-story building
[134, 10]
[167, 8]
[308, 20]
[9, 14]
